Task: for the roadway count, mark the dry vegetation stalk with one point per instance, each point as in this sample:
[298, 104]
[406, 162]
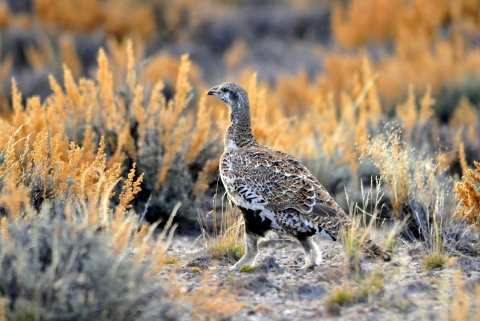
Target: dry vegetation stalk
[130, 189]
[226, 239]
[469, 195]
[4, 233]
[437, 257]
[392, 160]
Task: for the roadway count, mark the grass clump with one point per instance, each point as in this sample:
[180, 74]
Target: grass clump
[226, 240]
[418, 194]
[353, 241]
[436, 257]
[195, 270]
[435, 260]
[343, 295]
[389, 154]
[356, 238]
[171, 260]
[361, 291]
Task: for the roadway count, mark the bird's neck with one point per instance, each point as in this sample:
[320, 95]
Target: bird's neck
[239, 133]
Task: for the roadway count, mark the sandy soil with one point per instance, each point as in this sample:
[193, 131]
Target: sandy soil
[276, 290]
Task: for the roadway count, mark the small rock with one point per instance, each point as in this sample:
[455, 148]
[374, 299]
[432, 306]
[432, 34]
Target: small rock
[333, 309]
[414, 251]
[268, 265]
[329, 274]
[473, 284]
[400, 300]
[201, 262]
[465, 248]
[418, 286]
[469, 263]
[311, 292]
[256, 284]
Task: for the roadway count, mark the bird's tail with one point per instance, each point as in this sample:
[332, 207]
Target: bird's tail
[373, 249]
[345, 224]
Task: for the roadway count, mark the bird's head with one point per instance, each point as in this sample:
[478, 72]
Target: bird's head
[231, 93]
[239, 133]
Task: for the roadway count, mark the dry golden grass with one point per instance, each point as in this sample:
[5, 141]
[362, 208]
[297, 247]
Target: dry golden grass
[469, 195]
[465, 117]
[118, 18]
[235, 55]
[204, 177]
[41, 171]
[87, 189]
[166, 68]
[412, 26]
[226, 238]
[70, 57]
[391, 158]
[130, 189]
[366, 289]
[343, 295]
[382, 20]
[96, 107]
[436, 256]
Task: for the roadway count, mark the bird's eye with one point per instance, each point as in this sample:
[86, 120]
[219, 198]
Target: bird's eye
[224, 90]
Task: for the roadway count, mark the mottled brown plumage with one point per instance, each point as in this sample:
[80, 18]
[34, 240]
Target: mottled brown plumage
[274, 191]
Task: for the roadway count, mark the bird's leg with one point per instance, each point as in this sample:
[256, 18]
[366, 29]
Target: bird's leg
[317, 254]
[251, 252]
[312, 253]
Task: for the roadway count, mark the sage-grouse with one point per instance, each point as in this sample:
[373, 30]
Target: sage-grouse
[273, 190]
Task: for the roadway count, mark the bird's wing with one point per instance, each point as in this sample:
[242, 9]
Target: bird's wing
[282, 182]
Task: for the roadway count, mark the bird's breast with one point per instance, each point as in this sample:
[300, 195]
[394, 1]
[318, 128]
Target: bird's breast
[243, 191]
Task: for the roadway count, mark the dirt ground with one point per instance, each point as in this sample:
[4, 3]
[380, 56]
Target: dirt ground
[277, 290]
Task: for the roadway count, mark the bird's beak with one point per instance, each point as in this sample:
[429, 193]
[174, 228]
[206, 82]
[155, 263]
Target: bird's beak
[213, 91]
